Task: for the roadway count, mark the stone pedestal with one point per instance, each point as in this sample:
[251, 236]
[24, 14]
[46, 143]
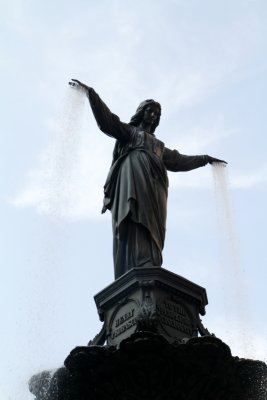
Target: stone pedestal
[150, 299]
[152, 351]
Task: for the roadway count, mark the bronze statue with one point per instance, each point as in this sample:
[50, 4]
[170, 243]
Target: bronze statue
[136, 188]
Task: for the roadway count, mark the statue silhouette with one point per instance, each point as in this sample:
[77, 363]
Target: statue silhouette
[136, 188]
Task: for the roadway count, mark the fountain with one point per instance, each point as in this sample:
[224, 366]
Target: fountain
[152, 343]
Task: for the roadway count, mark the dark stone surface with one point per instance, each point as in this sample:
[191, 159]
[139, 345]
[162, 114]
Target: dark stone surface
[146, 366]
[151, 325]
[136, 188]
[150, 299]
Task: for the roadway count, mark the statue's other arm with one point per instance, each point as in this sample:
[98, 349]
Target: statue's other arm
[174, 161]
[107, 122]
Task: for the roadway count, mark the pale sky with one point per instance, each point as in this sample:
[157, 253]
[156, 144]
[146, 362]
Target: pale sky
[206, 63]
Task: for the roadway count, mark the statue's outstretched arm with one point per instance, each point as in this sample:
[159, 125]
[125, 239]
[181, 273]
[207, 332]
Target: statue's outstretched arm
[107, 122]
[174, 161]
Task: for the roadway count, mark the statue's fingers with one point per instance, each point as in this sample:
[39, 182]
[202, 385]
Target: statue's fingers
[221, 161]
[76, 80]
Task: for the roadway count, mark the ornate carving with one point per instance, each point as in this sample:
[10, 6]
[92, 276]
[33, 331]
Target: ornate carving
[151, 299]
[202, 330]
[147, 318]
[147, 283]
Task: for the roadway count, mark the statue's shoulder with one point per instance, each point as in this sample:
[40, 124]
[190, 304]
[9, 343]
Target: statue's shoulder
[155, 141]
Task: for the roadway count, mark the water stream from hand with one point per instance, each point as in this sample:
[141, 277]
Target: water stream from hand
[64, 154]
[232, 276]
[59, 168]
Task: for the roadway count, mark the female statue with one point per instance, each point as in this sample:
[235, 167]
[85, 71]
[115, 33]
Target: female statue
[136, 188]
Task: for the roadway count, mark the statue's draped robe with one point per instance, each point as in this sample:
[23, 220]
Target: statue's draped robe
[136, 189]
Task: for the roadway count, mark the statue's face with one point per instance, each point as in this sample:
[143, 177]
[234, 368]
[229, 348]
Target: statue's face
[151, 114]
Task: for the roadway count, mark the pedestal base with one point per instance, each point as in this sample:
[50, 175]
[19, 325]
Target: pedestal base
[150, 299]
[151, 323]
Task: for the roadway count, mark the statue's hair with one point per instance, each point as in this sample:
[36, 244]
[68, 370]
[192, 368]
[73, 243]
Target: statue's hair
[138, 116]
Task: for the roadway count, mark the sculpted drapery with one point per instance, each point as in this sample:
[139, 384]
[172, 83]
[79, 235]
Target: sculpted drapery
[136, 188]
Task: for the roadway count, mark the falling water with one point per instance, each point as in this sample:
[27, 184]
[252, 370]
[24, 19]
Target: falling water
[231, 270]
[225, 215]
[59, 170]
[62, 158]
[62, 163]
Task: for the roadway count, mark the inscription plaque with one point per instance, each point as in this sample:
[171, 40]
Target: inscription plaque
[123, 320]
[174, 317]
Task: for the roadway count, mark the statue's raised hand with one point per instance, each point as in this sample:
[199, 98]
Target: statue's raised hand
[212, 160]
[79, 85]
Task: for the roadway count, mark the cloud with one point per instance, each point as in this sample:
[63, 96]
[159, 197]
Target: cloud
[75, 190]
[15, 15]
[120, 65]
[74, 196]
[68, 183]
[251, 179]
[69, 179]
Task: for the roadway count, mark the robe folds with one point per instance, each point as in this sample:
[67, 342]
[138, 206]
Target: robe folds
[136, 189]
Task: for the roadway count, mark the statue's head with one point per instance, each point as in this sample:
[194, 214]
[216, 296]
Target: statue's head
[142, 111]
